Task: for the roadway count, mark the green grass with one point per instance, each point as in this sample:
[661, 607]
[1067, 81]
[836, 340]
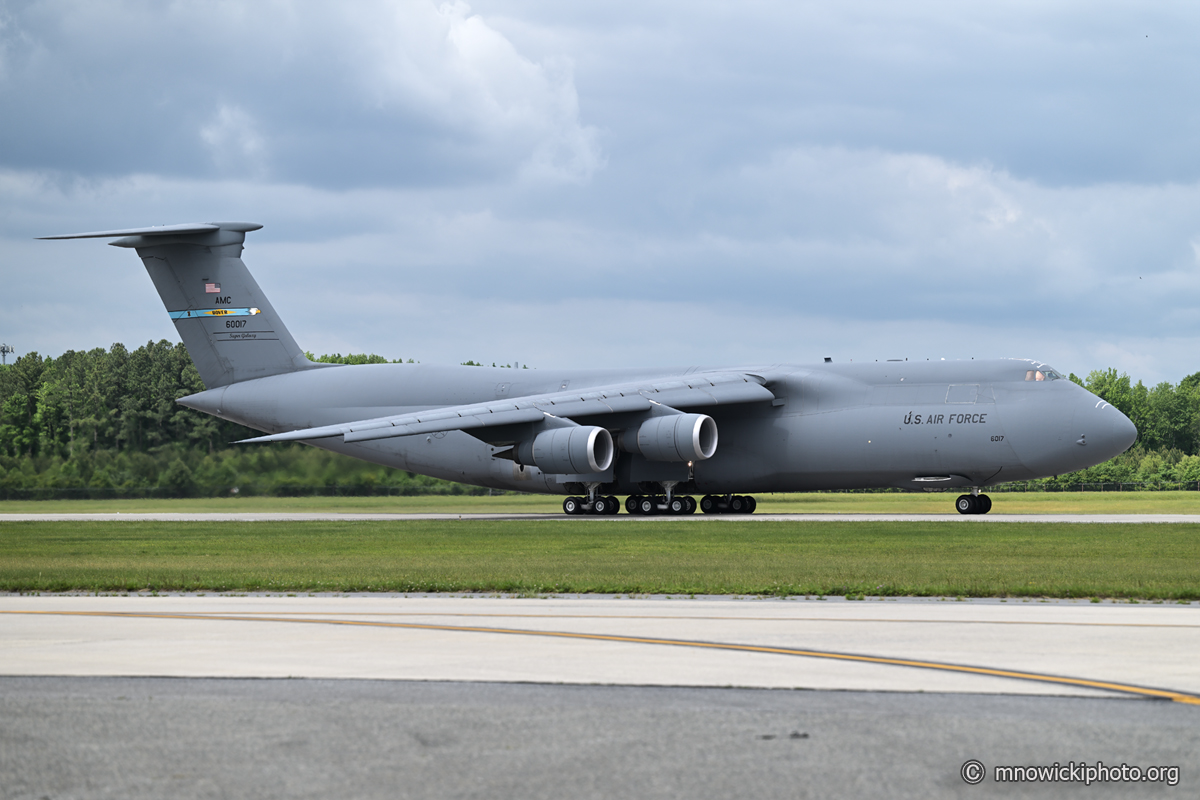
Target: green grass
[810, 503]
[609, 556]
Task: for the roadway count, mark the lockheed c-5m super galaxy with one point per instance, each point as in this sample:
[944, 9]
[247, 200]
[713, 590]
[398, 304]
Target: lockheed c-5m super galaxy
[658, 436]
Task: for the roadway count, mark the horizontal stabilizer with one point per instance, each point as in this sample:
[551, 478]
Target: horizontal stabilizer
[690, 392]
[164, 230]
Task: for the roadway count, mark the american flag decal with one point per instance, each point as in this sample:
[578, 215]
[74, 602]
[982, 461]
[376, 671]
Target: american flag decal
[212, 288]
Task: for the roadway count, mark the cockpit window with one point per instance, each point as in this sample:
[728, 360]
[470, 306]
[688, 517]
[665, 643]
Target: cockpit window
[1043, 374]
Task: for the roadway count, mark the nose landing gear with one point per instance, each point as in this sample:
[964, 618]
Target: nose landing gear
[973, 504]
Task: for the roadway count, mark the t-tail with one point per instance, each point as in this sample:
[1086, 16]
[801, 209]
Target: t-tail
[226, 322]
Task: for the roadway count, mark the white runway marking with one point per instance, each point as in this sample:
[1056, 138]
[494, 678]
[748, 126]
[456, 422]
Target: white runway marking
[335, 517]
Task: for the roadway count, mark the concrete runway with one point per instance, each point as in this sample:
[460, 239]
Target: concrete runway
[334, 517]
[1062, 647]
[472, 696]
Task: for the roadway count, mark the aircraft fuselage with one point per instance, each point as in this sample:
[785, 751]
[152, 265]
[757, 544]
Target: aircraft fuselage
[912, 425]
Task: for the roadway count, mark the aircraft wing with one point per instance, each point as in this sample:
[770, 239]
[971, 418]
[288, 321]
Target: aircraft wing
[691, 391]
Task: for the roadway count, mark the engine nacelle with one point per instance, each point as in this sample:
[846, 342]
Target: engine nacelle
[568, 451]
[675, 437]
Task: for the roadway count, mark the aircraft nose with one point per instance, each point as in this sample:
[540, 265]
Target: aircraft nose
[1124, 432]
[1109, 432]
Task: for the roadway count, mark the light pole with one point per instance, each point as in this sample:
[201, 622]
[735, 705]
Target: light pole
[5, 349]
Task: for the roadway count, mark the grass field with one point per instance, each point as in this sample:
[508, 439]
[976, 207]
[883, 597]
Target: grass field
[931, 503]
[609, 556]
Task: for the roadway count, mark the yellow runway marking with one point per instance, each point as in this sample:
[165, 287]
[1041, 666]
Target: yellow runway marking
[685, 617]
[1124, 688]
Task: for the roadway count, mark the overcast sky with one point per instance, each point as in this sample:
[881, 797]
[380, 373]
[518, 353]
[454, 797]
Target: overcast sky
[625, 183]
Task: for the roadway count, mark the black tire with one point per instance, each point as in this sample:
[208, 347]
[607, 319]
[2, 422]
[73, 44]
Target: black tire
[691, 505]
[737, 504]
[708, 504]
[647, 506]
[985, 503]
[600, 507]
[614, 505]
[571, 506]
[966, 504]
[751, 504]
[677, 506]
[631, 503]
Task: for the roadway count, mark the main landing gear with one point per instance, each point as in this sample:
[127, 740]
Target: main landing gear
[728, 504]
[973, 504]
[600, 506]
[669, 504]
[649, 504]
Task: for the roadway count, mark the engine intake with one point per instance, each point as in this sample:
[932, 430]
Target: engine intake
[568, 451]
[677, 437]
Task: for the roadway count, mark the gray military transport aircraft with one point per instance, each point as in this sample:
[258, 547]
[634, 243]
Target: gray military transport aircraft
[650, 434]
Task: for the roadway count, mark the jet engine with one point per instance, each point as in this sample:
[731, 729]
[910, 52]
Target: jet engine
[568, 451]
[675, 437]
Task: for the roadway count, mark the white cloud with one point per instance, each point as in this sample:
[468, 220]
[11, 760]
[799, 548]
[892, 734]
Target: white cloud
[455, 68]
[237, 146]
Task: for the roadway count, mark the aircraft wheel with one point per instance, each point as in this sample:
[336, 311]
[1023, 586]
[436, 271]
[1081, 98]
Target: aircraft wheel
[691, 505]
[647, 506]
[677, 506]
[985, 503]
[751, 504]
[631, 503]
[966, 504]
[572, 506]
[708, 504]
[737, 504]
[600, 507]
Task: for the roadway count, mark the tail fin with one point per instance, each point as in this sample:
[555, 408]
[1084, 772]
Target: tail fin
[227, 324]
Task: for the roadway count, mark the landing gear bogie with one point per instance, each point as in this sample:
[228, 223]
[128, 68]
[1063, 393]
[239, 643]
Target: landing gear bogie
[648, 505]
[728, 504]
[601, 506]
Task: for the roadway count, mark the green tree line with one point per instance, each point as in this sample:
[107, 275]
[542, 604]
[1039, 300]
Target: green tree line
[102, 423]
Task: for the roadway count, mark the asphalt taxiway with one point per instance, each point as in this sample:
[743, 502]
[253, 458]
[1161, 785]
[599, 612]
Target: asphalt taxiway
[153, 738]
